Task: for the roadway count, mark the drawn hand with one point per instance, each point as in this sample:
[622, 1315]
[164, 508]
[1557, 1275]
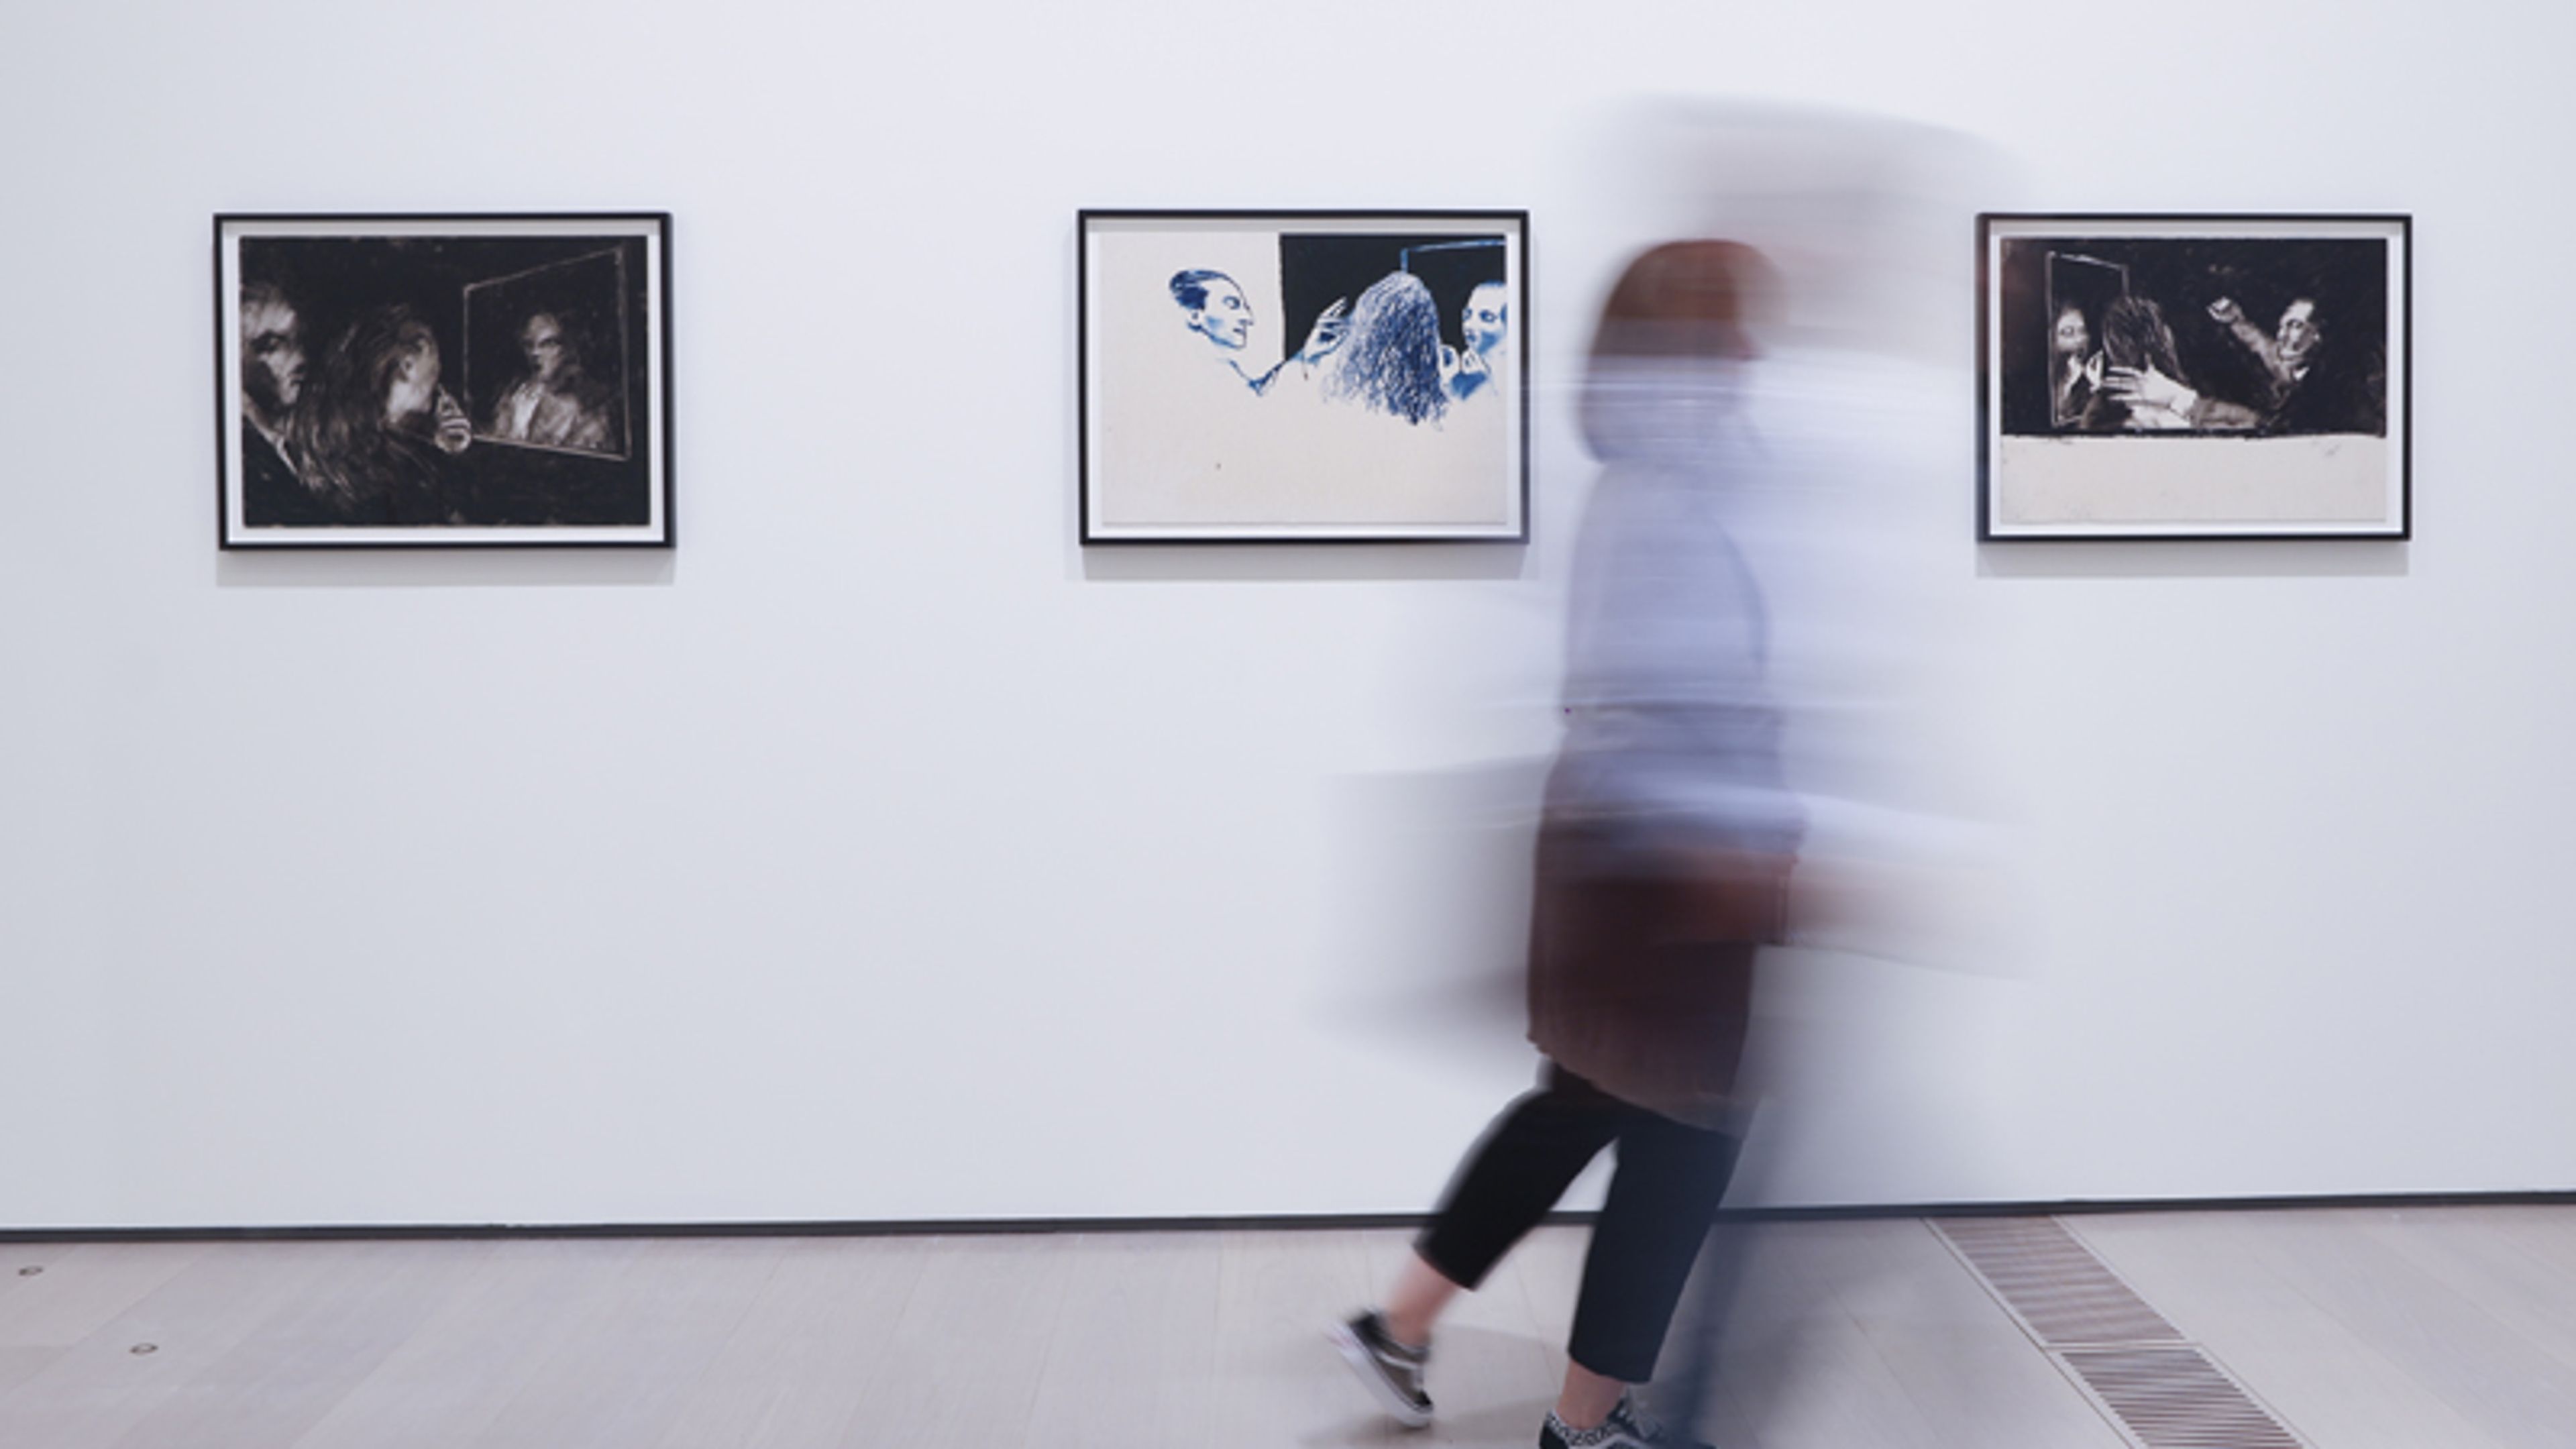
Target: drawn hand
[2146, 387]
[1328, 332]
[455, 431]
[2225, 312]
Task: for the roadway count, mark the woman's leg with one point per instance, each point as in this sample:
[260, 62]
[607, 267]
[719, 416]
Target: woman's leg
[1509, 1180]
[1416, 1301]
[1587, 1398]
[1662, 1199]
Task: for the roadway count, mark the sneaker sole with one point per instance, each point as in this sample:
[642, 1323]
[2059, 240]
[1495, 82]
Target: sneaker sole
[1364, 1363]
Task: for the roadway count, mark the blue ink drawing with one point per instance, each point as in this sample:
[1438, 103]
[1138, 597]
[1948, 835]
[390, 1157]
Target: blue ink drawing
[1409, 365]
[1467, 369]
[1394, 352]
[1214, 307]
[1391, 361]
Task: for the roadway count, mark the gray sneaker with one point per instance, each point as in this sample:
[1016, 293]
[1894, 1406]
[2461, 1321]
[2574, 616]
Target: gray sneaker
[1627, 1427]
[1392, 1370]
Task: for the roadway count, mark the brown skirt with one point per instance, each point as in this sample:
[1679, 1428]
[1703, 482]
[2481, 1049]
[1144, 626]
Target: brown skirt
[1626, 987]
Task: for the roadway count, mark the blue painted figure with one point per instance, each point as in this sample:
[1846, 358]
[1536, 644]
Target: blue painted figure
[1466, 371]
[1217, 310]
[1390, 361]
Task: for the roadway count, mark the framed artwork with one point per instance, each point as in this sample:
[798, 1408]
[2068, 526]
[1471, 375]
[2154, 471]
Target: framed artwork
[443, 381]
[2186, 377]
[1304, 376]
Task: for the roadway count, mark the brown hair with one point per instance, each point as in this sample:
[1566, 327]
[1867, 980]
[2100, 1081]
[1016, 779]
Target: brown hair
[339, 438]
[1686, 299]
[1681, 299]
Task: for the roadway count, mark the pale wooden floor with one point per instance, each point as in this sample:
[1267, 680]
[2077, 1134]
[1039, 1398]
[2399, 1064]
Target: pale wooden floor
[2428, 1329]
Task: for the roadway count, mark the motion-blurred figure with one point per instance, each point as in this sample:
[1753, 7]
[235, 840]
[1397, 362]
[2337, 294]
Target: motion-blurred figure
[1663, 861]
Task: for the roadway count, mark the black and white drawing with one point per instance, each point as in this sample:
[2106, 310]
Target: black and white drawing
[1303, 376]
[2196, 377]
[443, 380]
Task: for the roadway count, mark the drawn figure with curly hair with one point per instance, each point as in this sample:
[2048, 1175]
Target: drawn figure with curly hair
[1390, 361]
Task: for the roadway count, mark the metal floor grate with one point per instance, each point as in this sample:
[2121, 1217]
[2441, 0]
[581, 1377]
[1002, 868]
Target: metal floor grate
[2061, 1293]
[2176, 1398]
[2160, 1390]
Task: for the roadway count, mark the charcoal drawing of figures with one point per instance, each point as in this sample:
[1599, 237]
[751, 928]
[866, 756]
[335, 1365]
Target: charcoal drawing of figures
[2195, 335]
[2075, 369]
[557, 404]
[2308, 386]
[272, 365]
[2137, 346]
[2194, 376]
[1296, 378]
[356, 438]
[419, 385]
[2280, 401]
[371, 436]
[559, 371]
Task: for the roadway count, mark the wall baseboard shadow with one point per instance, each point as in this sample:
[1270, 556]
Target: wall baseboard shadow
[957, 1227]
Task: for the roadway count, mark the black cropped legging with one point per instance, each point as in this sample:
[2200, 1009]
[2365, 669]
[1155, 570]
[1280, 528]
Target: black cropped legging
[1663, 1196]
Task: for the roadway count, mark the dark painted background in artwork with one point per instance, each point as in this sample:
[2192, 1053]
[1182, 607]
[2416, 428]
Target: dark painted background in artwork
[1317, 270]
[333, 281]
[2345, 390]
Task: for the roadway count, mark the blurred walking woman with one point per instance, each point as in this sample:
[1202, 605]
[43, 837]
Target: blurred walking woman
[1663, 861]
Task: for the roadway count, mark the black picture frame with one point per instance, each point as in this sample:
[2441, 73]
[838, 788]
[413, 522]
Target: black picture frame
[2194, 376]
[458, 380]
[1183, 438]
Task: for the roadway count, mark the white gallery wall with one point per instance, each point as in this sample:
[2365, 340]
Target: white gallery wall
[880, 854]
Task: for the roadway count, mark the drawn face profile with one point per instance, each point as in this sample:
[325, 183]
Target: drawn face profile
[1224, 317]
[414, 384]
[2298, 334]
[1486, 318]
[272, 353]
